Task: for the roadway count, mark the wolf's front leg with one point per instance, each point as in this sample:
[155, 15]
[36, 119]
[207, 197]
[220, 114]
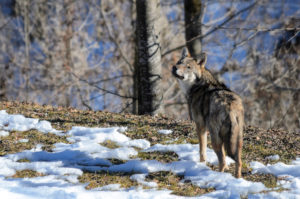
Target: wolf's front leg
[202, 136]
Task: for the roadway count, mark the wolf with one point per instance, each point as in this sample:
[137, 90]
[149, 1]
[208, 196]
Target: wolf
[214, 108]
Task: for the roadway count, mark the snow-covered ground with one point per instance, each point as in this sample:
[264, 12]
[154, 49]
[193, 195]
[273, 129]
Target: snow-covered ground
[62, 167]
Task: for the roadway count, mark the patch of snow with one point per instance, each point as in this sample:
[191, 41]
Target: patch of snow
[100, 135]
[138, 166]
[290, 175]
[296, 162]
[188, 152]
[277, 169]
[9, 167]
[51, 188]
[45, 127]
[4, 133]
[23, 140]
[139, 143]
[291, 184]
[165, 131]
[273, 157]
[20, 123]
[122, 129]
[111, 187]
[140, 178]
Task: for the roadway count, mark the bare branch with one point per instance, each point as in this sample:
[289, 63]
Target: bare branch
[111, 78]
[102, 89]
[126, 107]
[4, 24]
[213, 30]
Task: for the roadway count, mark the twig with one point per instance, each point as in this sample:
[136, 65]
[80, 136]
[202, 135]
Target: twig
[255, 29]
[110, 78]
[4, 24]
[102, 89]
[293, 36]
[127, 105]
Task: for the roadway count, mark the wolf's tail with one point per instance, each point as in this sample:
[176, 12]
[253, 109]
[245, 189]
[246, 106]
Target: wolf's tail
[234, 139]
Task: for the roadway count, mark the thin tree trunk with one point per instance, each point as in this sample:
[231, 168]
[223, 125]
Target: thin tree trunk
[135, 75]
[148, 68]
[27, 47]
[193, 12]
[2, 85]
[135, 85]
[68, 64]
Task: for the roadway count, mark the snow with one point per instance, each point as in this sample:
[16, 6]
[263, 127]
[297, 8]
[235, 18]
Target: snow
[140, 178]
[23, 140]
[4, 133]
[20, 123]
[290, 175]
[188, 152]
[277, 169]
[273, 157]
[165, 131]
[112, 187]
[62, 167]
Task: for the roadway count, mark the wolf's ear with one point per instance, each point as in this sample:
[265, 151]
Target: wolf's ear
[201, 59]
[185, 53]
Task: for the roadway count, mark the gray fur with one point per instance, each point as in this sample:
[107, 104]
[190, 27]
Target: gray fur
[214, 108]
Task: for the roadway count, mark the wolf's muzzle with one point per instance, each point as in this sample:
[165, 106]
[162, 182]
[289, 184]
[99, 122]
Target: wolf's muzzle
[174, 72]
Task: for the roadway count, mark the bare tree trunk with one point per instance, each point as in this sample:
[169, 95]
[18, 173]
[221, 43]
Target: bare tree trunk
[135, 75]
[2, 84]
[68, 64]
[193, 12]
[148, 57]
[135, 85]
[27, 47]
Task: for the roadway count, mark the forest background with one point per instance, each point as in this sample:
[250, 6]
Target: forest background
[88, 54]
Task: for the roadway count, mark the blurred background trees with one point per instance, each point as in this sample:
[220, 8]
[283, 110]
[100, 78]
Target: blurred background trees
[85, 54]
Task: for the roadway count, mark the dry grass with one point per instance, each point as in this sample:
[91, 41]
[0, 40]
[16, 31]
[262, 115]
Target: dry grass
[171, 181]
[27, 174]
[101, 179]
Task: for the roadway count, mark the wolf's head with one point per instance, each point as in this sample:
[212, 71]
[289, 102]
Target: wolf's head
[188, 70]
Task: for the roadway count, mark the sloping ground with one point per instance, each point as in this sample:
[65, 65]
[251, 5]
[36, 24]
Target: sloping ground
[259, 144]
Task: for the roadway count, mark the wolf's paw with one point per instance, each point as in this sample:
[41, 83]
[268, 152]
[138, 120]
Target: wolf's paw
[202, 159]
[223, 168]
[226, 168]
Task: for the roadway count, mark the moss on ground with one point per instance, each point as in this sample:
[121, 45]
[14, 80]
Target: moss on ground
[164, 157]
[268, 180]
[27, 174]
[110, 144]
[23, 160]
[171, 181]
[100, 179]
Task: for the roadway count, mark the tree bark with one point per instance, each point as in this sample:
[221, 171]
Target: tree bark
[148, 65]
[27, 47]
[68, 63]
[193, 12]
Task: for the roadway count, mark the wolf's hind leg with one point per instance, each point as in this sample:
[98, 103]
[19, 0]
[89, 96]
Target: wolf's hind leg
[238, 160]
[224, 158]
[238, 168]
[219, 150]
[202, 136]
